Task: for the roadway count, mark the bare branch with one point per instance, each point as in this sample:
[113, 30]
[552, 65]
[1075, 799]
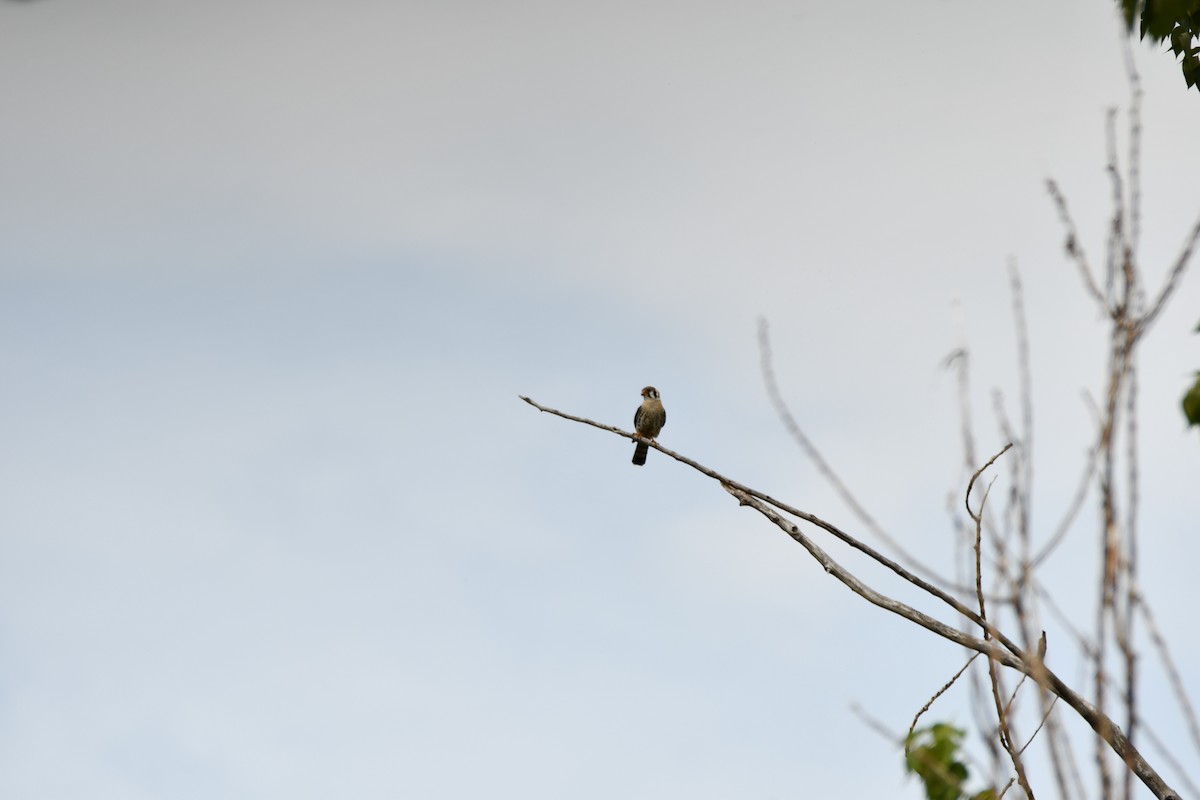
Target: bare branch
[1180, 770]
[1100, 723]
[1012, 657]
[1006, 735]
[1045, 717]
[1135, 145]
[823, 467]
[961, 359]
[936, 695]
[975, 477]
[867, 593]
[1025, 451]
[1074, 249]
[585, 421]
[875, 724]
[866, 549]
[1081, 492]
[1164, 294]
[1118, 252]
[1125, 618]
[1181, 696]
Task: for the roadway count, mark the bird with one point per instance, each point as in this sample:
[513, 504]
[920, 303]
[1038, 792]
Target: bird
[648, 420]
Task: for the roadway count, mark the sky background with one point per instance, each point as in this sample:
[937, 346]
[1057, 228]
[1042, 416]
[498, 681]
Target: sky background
[273, 522]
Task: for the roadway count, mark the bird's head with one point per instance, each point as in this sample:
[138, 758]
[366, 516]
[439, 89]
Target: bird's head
[650, 393]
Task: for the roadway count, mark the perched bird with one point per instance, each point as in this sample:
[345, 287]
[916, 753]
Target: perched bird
[648, 420]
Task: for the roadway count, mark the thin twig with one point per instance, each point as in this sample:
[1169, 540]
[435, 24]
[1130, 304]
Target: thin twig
[1073, 248]
[1025, 452]
[1181, 696]
[823, 467]
[875, 724]
[1045, 717]
[1006, 735]
[1068, 518]
[1135, 145]
[961, 358]
[936, 695]
[1117, 252]
[1181, 264]
[975, 477]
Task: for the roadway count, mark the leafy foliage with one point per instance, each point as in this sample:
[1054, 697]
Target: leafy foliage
[1175, 20]
[1191, 400]
[1191, 403]
[932, 755]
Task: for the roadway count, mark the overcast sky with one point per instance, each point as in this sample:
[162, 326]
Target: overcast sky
[273, 522]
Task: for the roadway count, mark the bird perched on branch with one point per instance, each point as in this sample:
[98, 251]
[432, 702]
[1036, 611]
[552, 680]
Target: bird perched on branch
[648, 420]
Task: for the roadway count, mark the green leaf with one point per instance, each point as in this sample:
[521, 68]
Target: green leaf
[1191, 403]
[1129, 11]
[1181, 40]
[932, 755]
[1191, 70]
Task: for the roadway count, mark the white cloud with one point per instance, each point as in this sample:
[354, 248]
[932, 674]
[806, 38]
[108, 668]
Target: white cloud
[274, 276]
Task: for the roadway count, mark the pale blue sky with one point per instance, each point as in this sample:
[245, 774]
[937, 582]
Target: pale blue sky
[274, 523]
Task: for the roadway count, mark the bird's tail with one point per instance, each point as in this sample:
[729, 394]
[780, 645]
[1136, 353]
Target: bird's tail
[639, 453]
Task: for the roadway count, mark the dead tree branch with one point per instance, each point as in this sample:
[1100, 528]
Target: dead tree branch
[998, 647]
[1007, 738]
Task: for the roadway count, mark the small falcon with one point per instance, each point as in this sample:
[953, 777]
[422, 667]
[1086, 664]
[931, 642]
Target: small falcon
[648, 420]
